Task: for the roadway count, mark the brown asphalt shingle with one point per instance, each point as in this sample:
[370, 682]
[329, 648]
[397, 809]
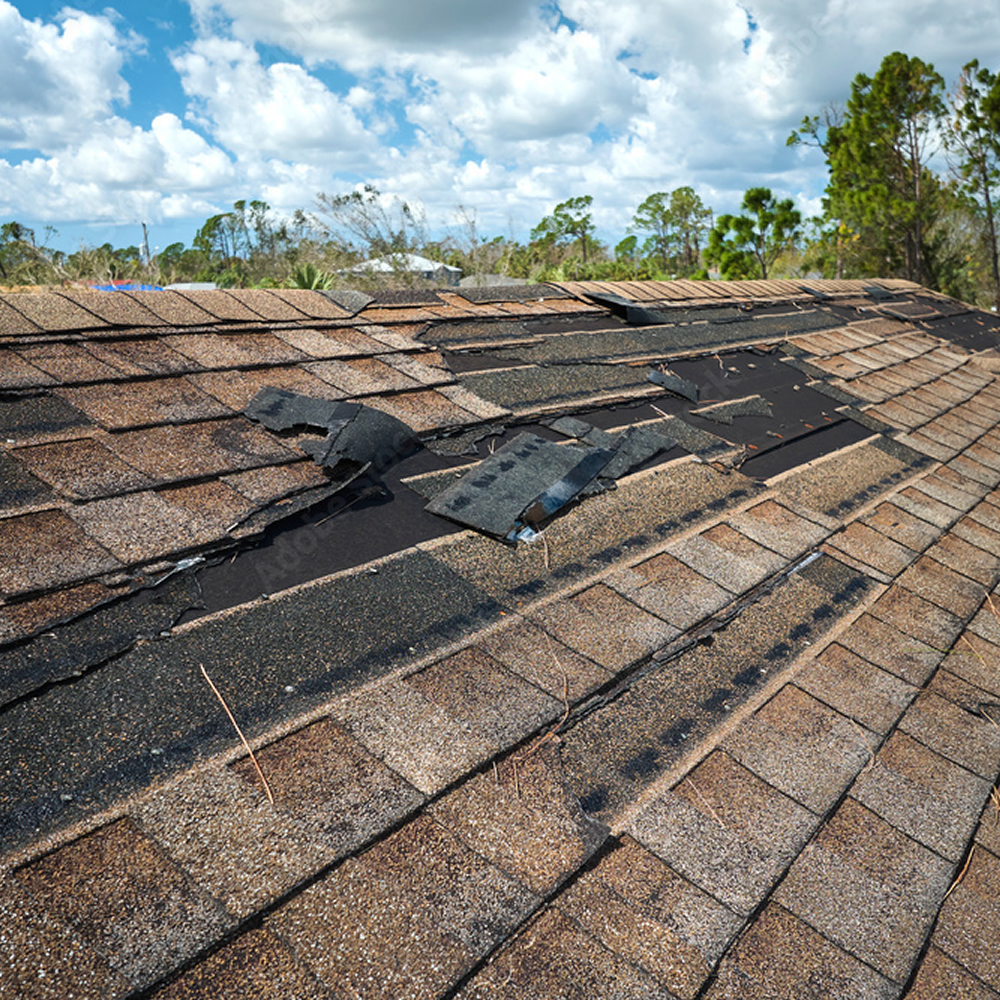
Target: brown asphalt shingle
[733, 878]
[967, 929]
[14, 323]
[83, 468]
[147, 403]
[127, 900]
[780, 956]
[115, 310]
[860, 690]
[41, 960]
[45, 550]
[331, 786]
[726, 830]
[923, 795]
[436, 725]
[171, 453]
[256, 965]
[640, 909]
[16, 372]
[52, 312]
[868, 888]
[523, 818]
[554, 957]
[801, 747]
[172, 308]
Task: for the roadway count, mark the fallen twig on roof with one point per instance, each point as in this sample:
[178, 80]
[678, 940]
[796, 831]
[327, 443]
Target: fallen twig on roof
[239, 732]
[961, 874]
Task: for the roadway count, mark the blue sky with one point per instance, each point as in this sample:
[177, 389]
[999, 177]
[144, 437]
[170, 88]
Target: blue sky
[116, 114]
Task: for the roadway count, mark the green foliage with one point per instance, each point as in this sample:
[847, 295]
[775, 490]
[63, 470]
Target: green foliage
[570, 220]
[676, 223]
[746, 246]
[308, 275]
[973, 140]
[881, 189]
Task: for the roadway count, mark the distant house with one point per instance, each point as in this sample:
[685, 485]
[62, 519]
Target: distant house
[411, 264]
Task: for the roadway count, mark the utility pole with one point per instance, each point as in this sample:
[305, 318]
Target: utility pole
[145, 245]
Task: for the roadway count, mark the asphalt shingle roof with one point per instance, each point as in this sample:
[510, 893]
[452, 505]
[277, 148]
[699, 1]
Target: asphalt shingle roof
[729, 725]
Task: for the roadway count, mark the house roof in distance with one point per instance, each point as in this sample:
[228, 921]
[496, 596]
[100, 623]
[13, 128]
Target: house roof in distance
[607, 639]
[393, 263]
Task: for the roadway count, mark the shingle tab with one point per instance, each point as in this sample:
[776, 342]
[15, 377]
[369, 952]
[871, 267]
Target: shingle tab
[439, 723]
[168, 454]
[331, 786]
[725, 830]
[637, 907]
[524, 819]
[941, 976]
[860, 690]
[41, 961]
[780, 956]
[968, 926]
[255, 965]
[230, 841]
[46, 550]
[125, 898]
[52, 312]
[801, 747]
[115, 308]
[922, 794]
[868, 888]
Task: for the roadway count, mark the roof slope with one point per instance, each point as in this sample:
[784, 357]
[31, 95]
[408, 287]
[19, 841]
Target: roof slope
[724, 721]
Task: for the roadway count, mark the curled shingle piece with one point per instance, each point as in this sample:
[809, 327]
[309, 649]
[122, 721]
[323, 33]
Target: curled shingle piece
[355, 433]
[723, 413]
[675, 384]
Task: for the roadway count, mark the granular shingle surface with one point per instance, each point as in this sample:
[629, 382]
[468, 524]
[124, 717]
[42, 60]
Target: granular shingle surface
[724, 726]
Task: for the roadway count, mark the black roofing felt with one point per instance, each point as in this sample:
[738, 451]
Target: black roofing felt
[784, 455]
[973, 331]
[366, 520]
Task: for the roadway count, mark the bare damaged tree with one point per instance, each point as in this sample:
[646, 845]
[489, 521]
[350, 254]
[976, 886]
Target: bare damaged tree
[382, 224]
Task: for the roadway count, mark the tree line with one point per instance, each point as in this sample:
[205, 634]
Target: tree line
[912, 181]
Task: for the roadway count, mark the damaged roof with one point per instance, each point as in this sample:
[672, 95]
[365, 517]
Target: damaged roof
[632, 639]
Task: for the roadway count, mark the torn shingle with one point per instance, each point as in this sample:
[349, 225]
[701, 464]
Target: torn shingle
[675, 384]
[723, 413]
[526, 473]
